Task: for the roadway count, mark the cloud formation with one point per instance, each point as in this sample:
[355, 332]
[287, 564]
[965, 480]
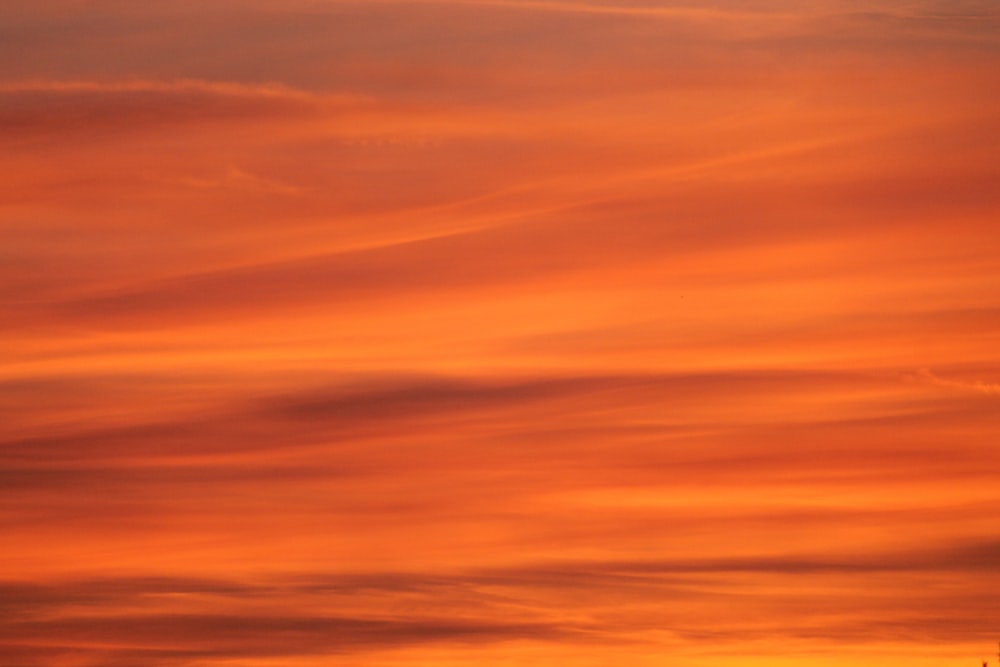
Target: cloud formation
[492, 332]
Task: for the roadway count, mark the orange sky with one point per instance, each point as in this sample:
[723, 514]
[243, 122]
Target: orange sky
[419, 333]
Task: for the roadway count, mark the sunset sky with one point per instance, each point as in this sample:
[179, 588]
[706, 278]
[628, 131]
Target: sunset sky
[499, 333]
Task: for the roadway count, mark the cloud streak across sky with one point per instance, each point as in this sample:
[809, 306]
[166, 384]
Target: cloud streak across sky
[490, 332]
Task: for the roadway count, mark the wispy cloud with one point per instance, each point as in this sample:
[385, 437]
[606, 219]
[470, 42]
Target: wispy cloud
[453, 332]
[978, 386]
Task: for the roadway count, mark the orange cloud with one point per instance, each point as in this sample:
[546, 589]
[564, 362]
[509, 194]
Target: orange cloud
[495, 332]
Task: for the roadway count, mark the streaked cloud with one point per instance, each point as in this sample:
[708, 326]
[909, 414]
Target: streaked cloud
[453, 332]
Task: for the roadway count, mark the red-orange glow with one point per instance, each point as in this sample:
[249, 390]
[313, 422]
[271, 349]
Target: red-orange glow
[440, 333]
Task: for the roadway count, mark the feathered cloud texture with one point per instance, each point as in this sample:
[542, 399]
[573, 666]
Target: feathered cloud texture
[492, 332]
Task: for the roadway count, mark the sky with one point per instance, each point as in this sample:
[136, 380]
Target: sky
[441, 333]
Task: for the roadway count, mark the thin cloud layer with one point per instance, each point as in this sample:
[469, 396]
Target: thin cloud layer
[454, 332]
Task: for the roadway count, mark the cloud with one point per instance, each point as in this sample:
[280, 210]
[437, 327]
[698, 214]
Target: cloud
[172, 621]
[379, 405]
[494, 331]
[179, 638]
[977, 386]
[959, 558]
[58, 110]
[177, 619]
